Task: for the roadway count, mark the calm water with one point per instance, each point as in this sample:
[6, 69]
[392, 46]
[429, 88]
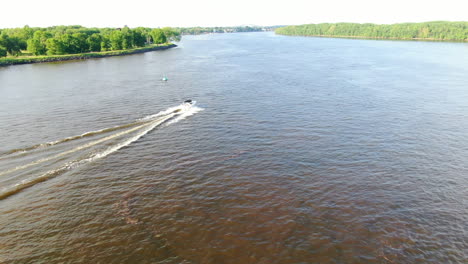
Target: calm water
[299, 150]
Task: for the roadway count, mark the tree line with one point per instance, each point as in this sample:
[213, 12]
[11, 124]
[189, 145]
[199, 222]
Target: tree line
[60, 40]
[436, 30]
[204, 30]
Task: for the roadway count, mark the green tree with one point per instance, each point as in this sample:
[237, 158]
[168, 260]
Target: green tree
[3, 52]
[127, 38]
[94, 42]
[37, 44]
[4, 40]
[79, 43]
[66, 40]
[55, 47]
[139, 37]
[105, 43]
[116, 39]
[76, 39]
[11, 44]
[158, 36]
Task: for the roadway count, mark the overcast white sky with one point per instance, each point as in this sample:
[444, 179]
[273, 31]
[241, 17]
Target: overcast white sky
[185, 13]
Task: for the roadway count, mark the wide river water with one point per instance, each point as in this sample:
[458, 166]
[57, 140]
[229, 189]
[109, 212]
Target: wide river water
[298, 150]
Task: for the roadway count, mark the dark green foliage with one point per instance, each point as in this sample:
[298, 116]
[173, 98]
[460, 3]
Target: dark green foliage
[11, 44]
[55, 47]
[139, 37]
[78, 43]
[3, 52]
[94, 42]
[81, 56]
[438, 30]
[61, 40]
[37, 44]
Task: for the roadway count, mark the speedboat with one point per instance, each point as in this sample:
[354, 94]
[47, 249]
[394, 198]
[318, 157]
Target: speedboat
[186, 105]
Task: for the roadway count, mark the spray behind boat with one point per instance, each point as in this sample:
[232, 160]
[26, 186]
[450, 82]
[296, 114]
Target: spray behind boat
[23, 168]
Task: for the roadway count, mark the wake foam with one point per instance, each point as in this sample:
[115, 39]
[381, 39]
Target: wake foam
[84, 135]
[189, 112]
[172, 110]
[141, 127]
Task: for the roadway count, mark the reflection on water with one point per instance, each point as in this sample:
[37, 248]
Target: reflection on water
[309, 150]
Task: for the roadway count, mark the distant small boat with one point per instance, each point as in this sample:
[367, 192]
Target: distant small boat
[164, 79]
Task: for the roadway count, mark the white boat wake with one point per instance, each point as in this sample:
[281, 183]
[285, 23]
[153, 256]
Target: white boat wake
[15, 179]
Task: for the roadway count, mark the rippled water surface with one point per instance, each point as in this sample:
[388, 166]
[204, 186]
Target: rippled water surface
[299, 150]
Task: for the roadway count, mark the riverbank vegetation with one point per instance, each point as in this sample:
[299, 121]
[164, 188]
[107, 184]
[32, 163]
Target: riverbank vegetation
[437, 30]
[81, 56]
[205, 30]
[63, 40]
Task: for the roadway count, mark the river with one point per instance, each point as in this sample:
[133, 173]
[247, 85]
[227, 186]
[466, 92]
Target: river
[298, 150]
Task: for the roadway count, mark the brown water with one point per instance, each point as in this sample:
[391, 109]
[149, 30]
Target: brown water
[299, 150]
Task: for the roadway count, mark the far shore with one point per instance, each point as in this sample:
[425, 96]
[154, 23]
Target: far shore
[377, 38]
[81, 56]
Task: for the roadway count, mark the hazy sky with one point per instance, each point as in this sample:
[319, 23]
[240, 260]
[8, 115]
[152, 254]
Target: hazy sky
[183, 13]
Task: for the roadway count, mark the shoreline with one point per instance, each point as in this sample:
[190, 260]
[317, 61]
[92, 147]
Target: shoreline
[375, 38]
[82, 56]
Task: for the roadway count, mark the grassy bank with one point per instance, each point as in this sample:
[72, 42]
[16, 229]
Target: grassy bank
[81, 56]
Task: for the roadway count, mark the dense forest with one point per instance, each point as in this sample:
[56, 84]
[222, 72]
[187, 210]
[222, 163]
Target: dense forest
[437, 30]
[60, 40]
